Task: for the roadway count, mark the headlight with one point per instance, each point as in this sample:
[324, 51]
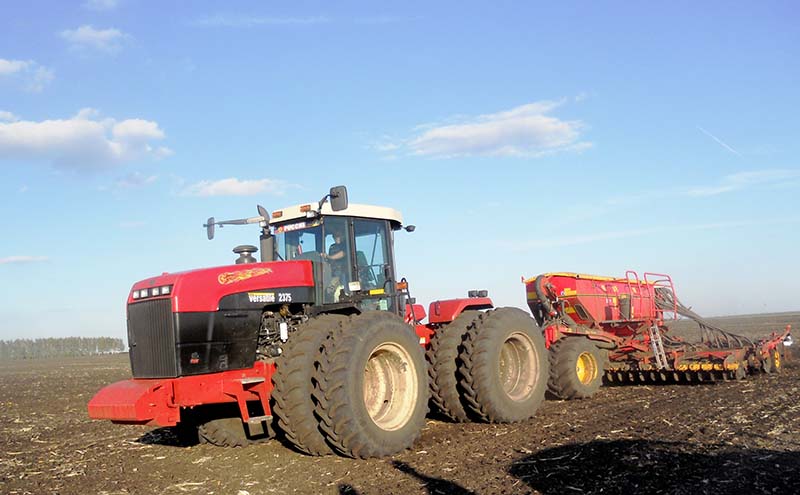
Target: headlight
[155, 291]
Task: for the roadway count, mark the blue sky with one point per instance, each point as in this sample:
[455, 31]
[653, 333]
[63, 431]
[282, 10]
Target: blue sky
[519, 138]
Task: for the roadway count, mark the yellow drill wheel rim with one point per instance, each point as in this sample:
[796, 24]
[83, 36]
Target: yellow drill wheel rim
[586, 367]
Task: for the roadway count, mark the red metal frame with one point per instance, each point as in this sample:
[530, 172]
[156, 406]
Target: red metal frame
[159, 401]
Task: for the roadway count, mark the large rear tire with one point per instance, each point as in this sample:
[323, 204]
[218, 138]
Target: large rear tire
[443, 361]
[293, 384]
[372, 386]
[504, 366]
[576, 368]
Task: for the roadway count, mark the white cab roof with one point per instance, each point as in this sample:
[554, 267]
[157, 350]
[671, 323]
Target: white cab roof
[352, 210]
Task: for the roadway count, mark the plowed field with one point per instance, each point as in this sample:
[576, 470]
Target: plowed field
[725, 437]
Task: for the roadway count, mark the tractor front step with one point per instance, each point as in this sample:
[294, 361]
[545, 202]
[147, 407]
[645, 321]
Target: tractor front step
[254, 420]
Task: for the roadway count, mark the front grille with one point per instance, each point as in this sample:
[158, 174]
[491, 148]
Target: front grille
[151, 336]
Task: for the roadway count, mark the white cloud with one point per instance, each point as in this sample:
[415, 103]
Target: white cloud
[245, 21]
[32, 76]
[22, 259]
[13, 66]
[137, 130]
[101, 5]
[135, 179]
[387, 147]
[83, 142]
[88, 38]
[583, 95]
[41, 78]
[524, 131]
[744, 180]
[235, 187]
[8, 116]
[774, 178]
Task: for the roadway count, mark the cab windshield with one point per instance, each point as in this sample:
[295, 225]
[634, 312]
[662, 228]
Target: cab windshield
[322, 240]
[353, 253]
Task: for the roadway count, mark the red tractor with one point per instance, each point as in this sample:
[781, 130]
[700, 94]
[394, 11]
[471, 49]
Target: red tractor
[319, 340]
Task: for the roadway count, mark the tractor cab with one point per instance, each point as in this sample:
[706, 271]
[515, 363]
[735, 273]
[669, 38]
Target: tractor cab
[352, 251]
[349, 245]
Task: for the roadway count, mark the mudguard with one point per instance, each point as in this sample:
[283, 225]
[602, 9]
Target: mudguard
[447, 310]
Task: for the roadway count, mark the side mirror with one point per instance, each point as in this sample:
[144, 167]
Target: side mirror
[262, 212]
[338, 196]
[210, 228]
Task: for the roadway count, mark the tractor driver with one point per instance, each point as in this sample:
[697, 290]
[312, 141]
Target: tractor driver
[337, 258]
[336, 252]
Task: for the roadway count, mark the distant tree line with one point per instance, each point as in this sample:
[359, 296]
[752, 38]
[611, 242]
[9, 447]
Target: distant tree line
[59, 347]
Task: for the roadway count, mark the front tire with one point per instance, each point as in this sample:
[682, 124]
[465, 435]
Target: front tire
[222, 425]
[504, 366]
[372, 386]
[223, 432]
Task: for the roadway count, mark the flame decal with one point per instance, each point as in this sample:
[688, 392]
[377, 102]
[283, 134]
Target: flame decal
[234, 277]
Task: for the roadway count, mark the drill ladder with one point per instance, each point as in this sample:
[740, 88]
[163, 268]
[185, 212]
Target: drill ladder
[658, 348]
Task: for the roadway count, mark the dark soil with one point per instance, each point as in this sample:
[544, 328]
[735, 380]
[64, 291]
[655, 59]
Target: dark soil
[726, 437]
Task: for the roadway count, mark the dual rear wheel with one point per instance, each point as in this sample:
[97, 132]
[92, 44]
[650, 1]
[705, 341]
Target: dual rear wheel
[370, 381]
[489, 367]
[359, 385]
[371, 390]
[352, 385]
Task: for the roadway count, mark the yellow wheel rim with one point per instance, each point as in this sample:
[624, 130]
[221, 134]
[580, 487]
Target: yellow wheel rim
[776, 359]
[586, 368]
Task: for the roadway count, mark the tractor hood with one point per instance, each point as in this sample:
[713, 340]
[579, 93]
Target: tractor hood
[203, 289]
